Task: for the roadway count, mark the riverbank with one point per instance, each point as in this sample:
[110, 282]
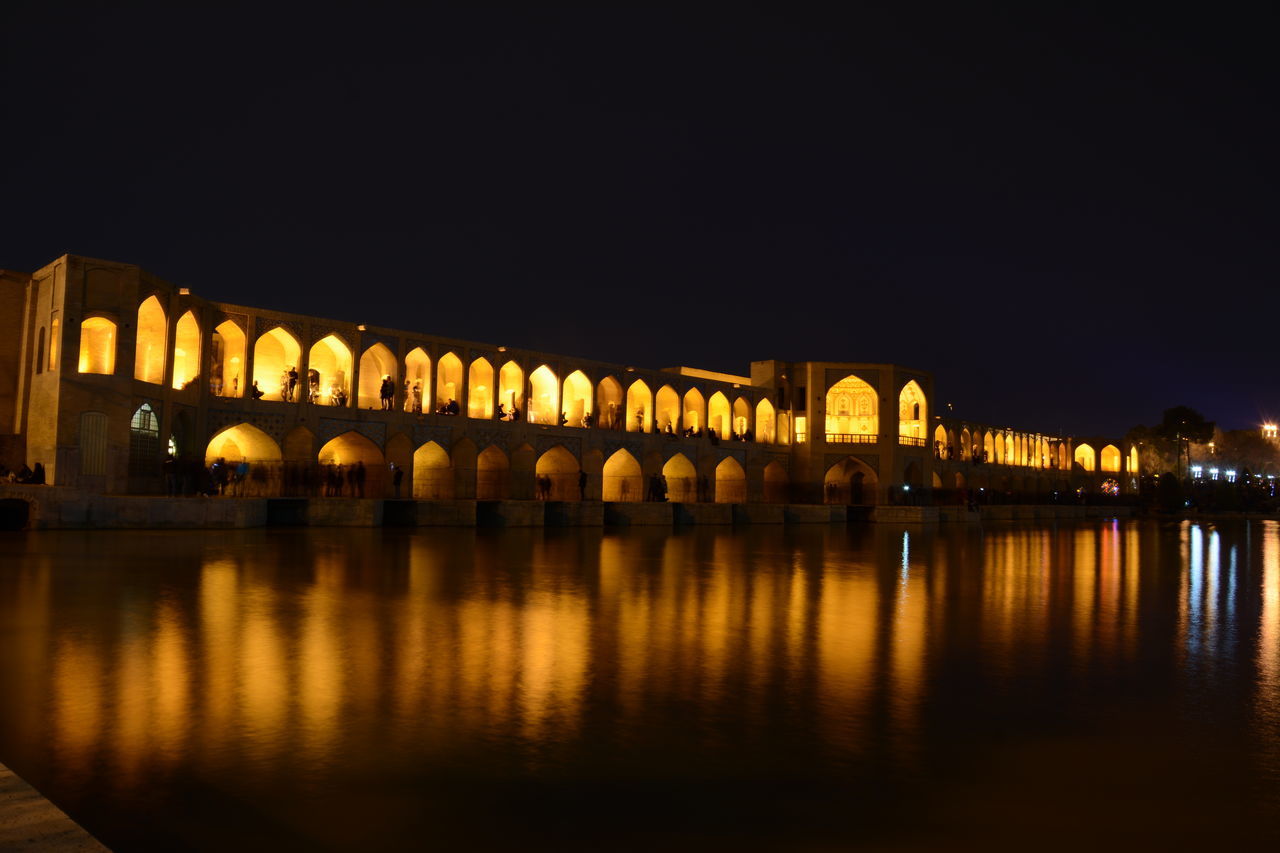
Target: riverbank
[55, 508]
[28, 821]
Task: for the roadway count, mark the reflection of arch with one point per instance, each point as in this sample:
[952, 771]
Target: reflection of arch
[560, 466]
[668, 409]
[639, 413]
[852, 410]
[417, 375]
[719, 415]
[765, 430]
[912, 411]
[731, 482]
[186, 350]
[511, 388]
[226, 368]
[148, 362]
[97, 346]
[432, 473]
[609, 403]
[544, 397]
[448, 381]
[377, 362]
[695, 410]
[274, 353]
[242, 441]
[331, 359]
[776, 483]
[492, 475]
[576, 399]
[480, 389]
[682, 479]
[1110, 459]
[850, 481]
[1085, 457]
[353, 449]
[622, 480]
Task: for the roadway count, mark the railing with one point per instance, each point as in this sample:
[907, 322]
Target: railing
[910, 441]
[851, 438]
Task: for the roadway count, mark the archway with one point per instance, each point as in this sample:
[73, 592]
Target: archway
[852, 412]
[576, 404]
[352, 450]
[765, 429]
[668, 410]
[940, 442]
[511, 390]
[742, 418]
[912, 411]
[148, 362]
[695, 411]
[731, 482]
[1133, 460]
[448, 383]
[432, 473]
[1009, 458]
[682, 479]
[719, 416]
[97, 346]
[544, 397]
[274, 353]
[609, 401]
[1110, 459]
[639, 414]
[329, 371]
[492, 475]
[480, 389]
[417, 376]
[247, 443]
[777, 483]
[186, 350]
[226, 368]
[850, 481]
[966, 444]
[1085, 457]
[559, 469]
[622, 479]
[997, 441]
[377, 364]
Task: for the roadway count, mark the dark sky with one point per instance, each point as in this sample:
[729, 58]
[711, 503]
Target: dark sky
[1068, 215]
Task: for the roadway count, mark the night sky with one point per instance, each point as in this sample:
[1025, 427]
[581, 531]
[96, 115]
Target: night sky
[1068, 216]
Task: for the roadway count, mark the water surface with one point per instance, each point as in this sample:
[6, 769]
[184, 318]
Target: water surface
[1105, 684]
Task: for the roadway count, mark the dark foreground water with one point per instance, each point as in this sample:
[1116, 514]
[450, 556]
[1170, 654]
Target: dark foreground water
[1103, 684]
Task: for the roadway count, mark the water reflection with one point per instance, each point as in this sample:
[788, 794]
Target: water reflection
[306, 666]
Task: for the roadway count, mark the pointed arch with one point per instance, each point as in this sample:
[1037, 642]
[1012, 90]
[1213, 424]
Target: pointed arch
[741, 418]
[913, 412]
[719, 415]
[186, 350]
[777, 483]
[561, 468]
[766, 431]
[448, 383]
[695, 410]
[850, 481]
[377, 365]
[544, 396]
[966, 444]
[432, 473]
[97, 346]
[609, 404]
[639, 413]
[329, 367]
[853, 411]
[622, 479]
[1085, 457]
[493, 473]
[1109, 459]
[149, 352]
[576, 402]
[731, 482]
[480, 389]
[274, 353]
[667, 410]
[940, 441]
[226, 363]
[511, 390]
[682, 479]
[242, 441]
[1009, 458]
[353, 450]
[417, 379]
[1133, 460]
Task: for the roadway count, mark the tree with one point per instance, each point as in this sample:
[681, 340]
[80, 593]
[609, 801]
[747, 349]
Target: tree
[1183, 425]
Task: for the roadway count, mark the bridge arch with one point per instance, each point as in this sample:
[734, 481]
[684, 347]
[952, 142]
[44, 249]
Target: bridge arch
[376, 363]
[852, 410]
[480, 389]
[682, 479]
[719, 415]
[622, 478]
[576, 401]
[731, 482]
[777, 483]
[417, 377]
[511, 390]
[151, 343]
[493, 472]
[850, 481]
[351, 448]
[227, 360]
[609, 404]
[1085, 457]
[913, 415]
[639, 413]
[432, 473]
[448, 382]
[562, 468]
[544, 396]
[668, 410]
[1110, 459]
[329, 365]
[186, 350]
[242, 441]
[695, 410]
[765, 423]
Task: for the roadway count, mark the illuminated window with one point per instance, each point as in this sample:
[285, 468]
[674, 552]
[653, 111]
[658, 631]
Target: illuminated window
[639, 414]
[275, 352]
[544, 400]
[576, 405]
[480, 389]
[97, 346]
[149, 353]
[144, 442]
[186, 350]
[911, 411]
[226, 367]
[852, 412]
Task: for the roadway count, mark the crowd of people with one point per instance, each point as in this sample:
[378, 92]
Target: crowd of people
[24, 475]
